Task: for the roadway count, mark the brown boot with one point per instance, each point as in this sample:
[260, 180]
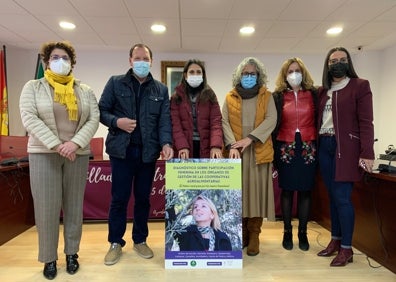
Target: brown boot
[343, 258]
[254, 228]
[331, 248]
[245, 233]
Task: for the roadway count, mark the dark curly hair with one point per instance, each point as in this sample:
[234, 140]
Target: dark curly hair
[47, 48]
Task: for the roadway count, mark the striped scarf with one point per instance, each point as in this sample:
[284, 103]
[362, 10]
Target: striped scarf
[206, 230]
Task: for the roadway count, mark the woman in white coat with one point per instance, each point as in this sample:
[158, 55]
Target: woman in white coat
[61, 115]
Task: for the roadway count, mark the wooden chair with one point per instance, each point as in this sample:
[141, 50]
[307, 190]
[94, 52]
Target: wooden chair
[96, 146]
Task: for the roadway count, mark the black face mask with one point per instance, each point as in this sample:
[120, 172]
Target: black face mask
[339, 70]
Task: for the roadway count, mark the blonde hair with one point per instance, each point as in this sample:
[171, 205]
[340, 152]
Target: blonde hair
[215, 223]
[281, 83]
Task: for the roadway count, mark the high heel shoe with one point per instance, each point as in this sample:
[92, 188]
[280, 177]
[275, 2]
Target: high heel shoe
[344, 257]
[332, 247]
[72, 264]
[50, 270]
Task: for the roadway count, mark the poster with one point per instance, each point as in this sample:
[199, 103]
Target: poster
[203, 214]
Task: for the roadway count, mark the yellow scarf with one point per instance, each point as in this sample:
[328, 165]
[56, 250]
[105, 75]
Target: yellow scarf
[63, 92]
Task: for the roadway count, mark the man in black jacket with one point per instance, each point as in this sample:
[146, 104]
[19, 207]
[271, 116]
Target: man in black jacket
[135, 108]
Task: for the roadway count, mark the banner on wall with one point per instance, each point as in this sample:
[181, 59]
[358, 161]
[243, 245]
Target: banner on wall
[203, 214]
[97, 196]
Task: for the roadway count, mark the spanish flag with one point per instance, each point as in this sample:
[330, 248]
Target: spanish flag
[3, 94]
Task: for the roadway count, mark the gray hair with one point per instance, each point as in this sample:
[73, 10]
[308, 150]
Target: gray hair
[261, 72]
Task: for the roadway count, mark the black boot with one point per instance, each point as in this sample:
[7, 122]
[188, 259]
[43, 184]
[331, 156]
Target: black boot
[303, 240]
[72, 263]
[50, 270]
[287, 242]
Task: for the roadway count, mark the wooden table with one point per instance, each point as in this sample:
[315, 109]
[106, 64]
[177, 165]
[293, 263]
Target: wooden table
[16, 203]
[374, 199]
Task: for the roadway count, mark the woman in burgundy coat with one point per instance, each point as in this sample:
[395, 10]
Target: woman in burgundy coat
[196, 116]
[346, 139]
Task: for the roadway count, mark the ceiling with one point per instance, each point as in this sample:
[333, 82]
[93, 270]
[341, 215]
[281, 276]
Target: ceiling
[282, 26]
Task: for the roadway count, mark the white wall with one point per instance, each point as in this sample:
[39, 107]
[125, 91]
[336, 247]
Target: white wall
[367, 66]
[95, 67]
[21, 66]
[386, 108]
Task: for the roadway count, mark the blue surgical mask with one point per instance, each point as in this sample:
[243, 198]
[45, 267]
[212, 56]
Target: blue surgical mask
[248, 81]
[141, 68]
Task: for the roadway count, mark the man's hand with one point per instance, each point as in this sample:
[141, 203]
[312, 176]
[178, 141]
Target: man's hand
[126, 124]
[167, 152]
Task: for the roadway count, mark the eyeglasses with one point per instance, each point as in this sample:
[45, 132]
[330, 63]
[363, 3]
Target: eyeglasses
[341, 60]
[57, 57]
[249, 74]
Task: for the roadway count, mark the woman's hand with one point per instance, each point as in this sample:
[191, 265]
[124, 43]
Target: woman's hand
[68, 150]
[366, 164]
[184, 154]
[242, 144]
[234, 154]
[215, 153]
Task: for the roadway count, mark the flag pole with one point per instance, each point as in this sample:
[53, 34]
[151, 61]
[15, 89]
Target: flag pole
[5, 64]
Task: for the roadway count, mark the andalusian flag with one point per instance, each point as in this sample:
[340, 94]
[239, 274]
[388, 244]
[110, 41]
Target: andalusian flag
[3, 94]
[39, 68]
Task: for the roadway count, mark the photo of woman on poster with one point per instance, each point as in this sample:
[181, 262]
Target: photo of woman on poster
[197, 227]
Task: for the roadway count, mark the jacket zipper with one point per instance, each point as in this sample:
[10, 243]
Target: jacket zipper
[297, 113]
[338, 134]
[353, 136]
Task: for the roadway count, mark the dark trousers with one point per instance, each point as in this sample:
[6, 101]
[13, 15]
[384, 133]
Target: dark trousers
[341, 207]
[124, 173]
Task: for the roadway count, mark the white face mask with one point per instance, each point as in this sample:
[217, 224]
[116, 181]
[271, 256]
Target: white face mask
[294, 79]
[194, 80]
[60, 66]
